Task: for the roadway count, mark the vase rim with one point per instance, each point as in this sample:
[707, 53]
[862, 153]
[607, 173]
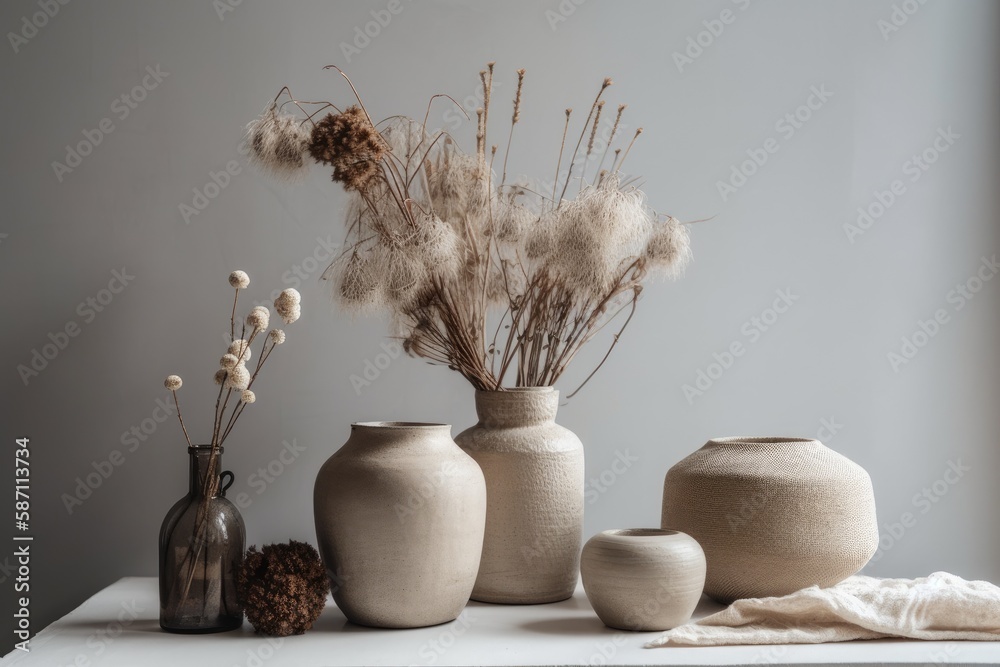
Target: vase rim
[760, 440]
[640, 532]
[400, 425]
[515, 390]
[204, 448]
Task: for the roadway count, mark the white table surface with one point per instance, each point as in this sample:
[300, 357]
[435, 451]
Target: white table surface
[119, 627]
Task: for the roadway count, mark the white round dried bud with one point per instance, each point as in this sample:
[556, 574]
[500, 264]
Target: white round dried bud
[291, 314]
[241, 349]
[173, 382]
[220, 376]
[288, 296]
[259, 318]
[228, 361]
[239, 279]
[277, 336]
[239, 377]
[248, 396]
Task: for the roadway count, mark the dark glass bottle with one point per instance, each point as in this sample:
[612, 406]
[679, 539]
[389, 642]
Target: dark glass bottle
[202, 541]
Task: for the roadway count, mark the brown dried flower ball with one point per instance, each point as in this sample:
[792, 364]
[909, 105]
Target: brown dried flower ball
[282, 588]
[351, 145]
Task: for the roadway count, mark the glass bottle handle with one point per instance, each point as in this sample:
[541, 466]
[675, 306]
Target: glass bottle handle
[225, 485]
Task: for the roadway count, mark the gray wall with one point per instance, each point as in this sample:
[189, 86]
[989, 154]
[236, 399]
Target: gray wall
[823, 361]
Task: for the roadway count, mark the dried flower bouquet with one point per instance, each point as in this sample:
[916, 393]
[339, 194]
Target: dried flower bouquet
[235, 382]
[489, 277]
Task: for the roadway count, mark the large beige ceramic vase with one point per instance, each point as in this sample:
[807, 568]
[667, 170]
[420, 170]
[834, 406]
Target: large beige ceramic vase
[534, 486]
[400, 512]
[773, 515]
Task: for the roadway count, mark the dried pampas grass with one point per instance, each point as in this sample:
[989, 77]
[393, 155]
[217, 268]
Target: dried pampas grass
[488, 278]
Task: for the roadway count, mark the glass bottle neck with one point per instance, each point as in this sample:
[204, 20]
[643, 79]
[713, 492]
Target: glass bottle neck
[200, 460]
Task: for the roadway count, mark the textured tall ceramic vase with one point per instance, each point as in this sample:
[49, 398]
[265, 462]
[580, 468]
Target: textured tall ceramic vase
[400, 512]
[534, 486]
[773, 515]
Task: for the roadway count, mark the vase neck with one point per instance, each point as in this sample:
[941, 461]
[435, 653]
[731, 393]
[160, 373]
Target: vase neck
[200, 460]
[760, 444]
[520, 406]
[393, 434]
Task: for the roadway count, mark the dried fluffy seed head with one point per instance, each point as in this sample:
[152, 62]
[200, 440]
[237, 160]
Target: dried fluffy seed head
[247, 396]
[510, 221]
[459, 185]
[436, 244]
[173, 382]
[228, 361]
[293, 314]
[259, 318]
[278, 144]
[540, 239]
[351, 145]
[358, 282]
[241, 349]
[597, 234]
[407, 278]
[238, 377]
[239, 279]
[277, 336]
[287, 305]
[288, 296]
[220, 376]
[669, 248]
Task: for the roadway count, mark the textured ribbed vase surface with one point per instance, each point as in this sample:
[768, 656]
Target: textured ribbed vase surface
[400, 512]
[773, 515]
[534, 488]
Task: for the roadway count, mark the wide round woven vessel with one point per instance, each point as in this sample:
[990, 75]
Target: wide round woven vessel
[773, 515]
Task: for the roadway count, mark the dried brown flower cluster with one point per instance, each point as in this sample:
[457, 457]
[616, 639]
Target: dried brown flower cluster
[491, 278]
[282, 588]
[349, 143]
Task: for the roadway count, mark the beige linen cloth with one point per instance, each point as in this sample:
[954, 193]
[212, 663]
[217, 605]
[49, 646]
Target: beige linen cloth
[939, 607]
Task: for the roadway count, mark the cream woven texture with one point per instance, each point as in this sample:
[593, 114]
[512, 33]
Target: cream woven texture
[773, 515]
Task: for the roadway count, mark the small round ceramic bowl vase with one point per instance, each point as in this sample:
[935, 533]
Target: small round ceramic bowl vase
[643, 579]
